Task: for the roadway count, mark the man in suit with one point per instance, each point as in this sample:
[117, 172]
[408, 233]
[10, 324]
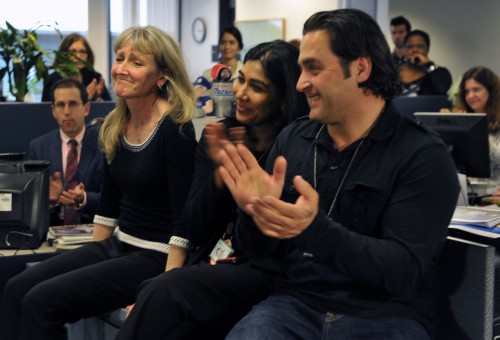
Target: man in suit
[70, 106]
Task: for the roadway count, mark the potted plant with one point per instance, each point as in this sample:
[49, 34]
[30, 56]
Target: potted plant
[66, 67]
[23, 58]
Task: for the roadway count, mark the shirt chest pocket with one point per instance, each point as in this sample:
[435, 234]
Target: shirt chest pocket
[290, 194]
[361, 206]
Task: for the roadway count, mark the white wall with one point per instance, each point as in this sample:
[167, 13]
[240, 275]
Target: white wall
[463, 33]
[198, 57]
[99, 12]
[294, 12]
[164, 15]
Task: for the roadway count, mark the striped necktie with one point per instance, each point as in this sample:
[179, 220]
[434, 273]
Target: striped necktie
[71, 215]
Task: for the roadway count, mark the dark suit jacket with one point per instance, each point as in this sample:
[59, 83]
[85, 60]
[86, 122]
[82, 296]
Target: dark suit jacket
[89, 171]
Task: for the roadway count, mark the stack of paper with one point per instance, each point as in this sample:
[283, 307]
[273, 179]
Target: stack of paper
[476, 224]
[477, 216]
[70, 236]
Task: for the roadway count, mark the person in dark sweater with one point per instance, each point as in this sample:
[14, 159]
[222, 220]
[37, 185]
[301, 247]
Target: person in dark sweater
[201, 300]
[79, 47]
[355, 202]
[149, 144]
[399, 27]
[420, 75]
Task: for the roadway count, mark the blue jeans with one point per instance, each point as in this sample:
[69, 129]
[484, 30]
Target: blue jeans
[282, 316]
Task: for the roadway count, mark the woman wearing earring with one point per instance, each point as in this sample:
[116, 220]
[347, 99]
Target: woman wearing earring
[79, 49]
[149, 145]
[201, 300]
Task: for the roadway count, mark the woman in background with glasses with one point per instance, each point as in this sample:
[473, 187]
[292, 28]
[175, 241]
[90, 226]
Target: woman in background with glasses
[78, 49]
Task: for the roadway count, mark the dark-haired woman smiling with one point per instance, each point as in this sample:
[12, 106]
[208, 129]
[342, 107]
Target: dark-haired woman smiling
[204, 301]
[230, 44]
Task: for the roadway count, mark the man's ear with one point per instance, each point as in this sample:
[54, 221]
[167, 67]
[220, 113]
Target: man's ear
[87, 108]
[363, 69]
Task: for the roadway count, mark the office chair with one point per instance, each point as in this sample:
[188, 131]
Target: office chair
[465, 310]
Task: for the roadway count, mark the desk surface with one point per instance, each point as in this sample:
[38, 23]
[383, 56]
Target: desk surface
[44, 249]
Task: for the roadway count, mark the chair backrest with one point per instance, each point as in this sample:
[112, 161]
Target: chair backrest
[22, 122]
[466, 307]
[407, 106]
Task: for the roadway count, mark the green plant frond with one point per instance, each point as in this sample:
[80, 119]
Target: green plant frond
[86, 63]
[23, 57]
[66, 66]
[33, 39]
[20, 78]
[3, 71]
[54, 26]
[42, 72]
[10, 27]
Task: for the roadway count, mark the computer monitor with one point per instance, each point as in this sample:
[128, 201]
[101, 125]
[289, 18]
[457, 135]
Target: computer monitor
[466, 134]
[407, 106]
[24, 204]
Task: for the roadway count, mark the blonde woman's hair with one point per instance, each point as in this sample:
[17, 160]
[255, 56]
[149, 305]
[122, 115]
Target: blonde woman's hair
[178, 89]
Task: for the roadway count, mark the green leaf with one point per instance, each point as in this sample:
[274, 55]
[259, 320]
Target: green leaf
[3, 70]
[23, 57]
[20, 79]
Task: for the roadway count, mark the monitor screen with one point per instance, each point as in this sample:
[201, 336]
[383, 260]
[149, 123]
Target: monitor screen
[24, 204]
[466, 135]
[407, 106]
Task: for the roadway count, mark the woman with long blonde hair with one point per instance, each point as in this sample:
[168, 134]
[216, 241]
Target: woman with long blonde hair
[149, 145]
